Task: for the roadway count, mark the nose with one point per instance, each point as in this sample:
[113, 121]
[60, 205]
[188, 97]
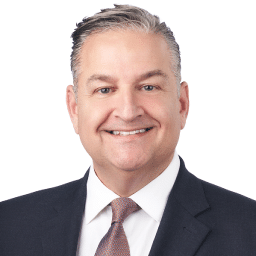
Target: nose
[128, 106]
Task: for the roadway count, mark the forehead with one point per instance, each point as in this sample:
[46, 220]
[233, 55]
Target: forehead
[124, 52]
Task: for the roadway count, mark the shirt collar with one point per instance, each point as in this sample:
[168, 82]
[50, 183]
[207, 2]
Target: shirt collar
[98, 196]
[152, 198]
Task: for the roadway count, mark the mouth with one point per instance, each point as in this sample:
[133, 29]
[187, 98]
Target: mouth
[127, 133]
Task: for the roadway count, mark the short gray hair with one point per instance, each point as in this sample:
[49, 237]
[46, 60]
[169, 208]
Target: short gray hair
[122, 17]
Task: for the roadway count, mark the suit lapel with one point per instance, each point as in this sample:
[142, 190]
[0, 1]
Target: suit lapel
[180, 233]
[61, 232]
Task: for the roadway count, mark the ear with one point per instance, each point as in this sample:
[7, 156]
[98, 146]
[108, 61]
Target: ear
[72, 107]
[184, 104]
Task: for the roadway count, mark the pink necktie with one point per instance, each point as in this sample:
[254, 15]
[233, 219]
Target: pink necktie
[115, 243]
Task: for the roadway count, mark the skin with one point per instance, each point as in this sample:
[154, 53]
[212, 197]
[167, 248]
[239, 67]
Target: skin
[126, 84]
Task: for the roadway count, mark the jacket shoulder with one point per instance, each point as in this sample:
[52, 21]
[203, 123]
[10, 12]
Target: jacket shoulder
[220, 196]
[34, 204]
[230, 210]
[22, 218]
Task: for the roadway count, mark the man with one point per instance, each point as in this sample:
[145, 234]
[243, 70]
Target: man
[128, 106]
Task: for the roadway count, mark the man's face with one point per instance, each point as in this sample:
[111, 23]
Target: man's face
[128, 114]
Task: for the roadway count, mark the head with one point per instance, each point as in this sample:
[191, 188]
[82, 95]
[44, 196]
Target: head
[128, 109]
[123, 17]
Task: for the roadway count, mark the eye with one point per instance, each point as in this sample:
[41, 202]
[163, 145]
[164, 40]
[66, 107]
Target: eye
[149, 87]
[104, 90]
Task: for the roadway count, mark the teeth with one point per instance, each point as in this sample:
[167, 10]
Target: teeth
[124, 133]
[130, 133]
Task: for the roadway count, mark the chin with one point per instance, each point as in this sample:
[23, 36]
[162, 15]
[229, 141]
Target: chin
[127, 167]
[129, 163]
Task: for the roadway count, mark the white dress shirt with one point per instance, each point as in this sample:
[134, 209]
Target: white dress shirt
[140, 227]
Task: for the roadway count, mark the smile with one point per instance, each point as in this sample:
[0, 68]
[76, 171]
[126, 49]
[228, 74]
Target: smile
[127, 133]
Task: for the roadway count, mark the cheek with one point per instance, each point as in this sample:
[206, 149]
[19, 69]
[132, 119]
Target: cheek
[163, 110]
[90, 116]
[168, 118]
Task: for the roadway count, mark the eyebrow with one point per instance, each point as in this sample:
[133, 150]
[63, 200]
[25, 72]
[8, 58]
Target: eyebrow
[99, 77]
[107, 78]
[156, 72]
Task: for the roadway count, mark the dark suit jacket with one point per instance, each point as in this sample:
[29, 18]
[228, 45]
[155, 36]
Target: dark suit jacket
[199, 219]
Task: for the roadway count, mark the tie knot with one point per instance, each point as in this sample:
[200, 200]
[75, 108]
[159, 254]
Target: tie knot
[122, 207]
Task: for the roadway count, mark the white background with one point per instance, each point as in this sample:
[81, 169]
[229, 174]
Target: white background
[39, 148]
